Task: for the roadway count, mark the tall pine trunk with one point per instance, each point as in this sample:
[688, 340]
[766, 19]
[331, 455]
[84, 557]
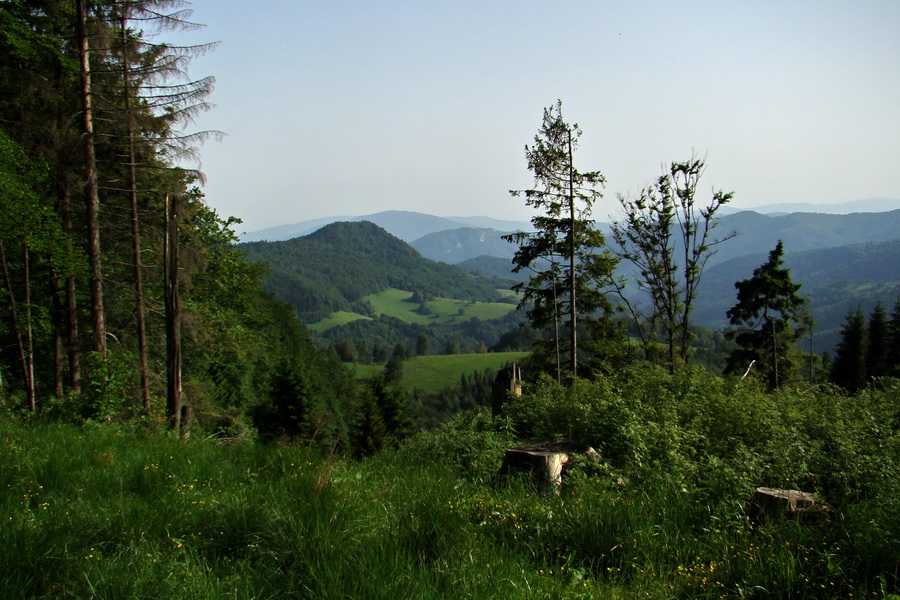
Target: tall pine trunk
[572, 284]
[16, 325]
[92, 192]
[173, 316]
[135, 225]
[73, 348]
[29, 330]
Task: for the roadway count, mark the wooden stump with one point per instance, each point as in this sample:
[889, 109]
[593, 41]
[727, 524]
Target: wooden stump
[546, 462]
[772, 502]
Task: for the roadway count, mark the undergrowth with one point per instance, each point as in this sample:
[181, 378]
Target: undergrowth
[93, 512]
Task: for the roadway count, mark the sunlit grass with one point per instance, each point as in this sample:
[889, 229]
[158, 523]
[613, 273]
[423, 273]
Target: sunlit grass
[93, 513]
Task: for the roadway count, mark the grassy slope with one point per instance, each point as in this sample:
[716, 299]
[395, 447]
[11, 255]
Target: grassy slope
[335, 320]
[430, 374]
[394, 303]
[93, 513]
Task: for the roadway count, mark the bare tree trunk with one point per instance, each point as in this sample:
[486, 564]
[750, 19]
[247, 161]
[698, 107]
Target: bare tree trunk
[72, 344]
[135, 227]
[556, 321]
[173, 317]
[572, 283]
[93, 197]
[17, 328]
[29, 331]
[58, 345]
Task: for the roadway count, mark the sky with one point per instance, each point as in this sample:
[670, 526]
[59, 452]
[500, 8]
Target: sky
[346, 107]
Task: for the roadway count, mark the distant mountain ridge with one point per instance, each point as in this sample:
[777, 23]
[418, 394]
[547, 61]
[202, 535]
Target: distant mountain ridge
[406, 225]
[334, 267]
[455, 246]
[410, 225]
[866, 205]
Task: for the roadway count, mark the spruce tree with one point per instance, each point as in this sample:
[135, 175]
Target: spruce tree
[877, 364]
[850, 356]
[565, 254]
[769, 318]
[892, 351]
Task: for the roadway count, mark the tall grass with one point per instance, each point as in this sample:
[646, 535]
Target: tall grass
[93, 512]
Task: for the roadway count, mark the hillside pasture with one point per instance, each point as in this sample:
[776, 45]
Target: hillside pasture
[337, 319]
[431, 374]
[396, 303]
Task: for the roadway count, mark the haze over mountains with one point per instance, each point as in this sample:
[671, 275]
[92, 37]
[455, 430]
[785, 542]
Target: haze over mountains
[410, 226]
[843, 259]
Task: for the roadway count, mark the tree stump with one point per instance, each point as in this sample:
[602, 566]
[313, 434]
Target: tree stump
[773, 503]
[546, 462]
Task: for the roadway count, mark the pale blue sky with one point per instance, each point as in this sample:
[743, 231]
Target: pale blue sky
[349, 108]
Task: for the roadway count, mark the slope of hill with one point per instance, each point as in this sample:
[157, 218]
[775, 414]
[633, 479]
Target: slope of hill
[803, 231]
[334, 267]
[406, 225]
[835, 280]
[454, 246]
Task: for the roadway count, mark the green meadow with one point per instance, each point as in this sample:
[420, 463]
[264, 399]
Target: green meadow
[118, 511]
[395, 303]
[431, 374]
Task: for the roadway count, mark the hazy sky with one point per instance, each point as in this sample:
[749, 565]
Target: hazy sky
[353, 107]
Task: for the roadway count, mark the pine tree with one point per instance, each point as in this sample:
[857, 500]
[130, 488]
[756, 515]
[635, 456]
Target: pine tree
[769, 317]
[849, 367]
[892, 351]
[565, 253]
[877, 364]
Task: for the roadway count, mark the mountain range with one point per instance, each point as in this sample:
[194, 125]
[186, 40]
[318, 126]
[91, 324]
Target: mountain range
[410, 226]
[842, 260]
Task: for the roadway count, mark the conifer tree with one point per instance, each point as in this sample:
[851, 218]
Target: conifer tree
[769, 317]
[892, 352]
[877, 364]
[849, 367]
[566, 255]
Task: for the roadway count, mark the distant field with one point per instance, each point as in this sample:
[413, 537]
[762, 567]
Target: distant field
[431, 374]
[394, 303]
[335, 320]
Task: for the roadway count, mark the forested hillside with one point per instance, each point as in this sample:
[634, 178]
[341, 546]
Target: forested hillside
[333, 268]
[124, 295]
[454, 246]
[835, 280]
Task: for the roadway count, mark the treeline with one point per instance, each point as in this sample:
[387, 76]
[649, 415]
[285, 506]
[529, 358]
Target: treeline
[124, 296]
[868, 350]
[333, 268]
[374, 339]
[472, 391]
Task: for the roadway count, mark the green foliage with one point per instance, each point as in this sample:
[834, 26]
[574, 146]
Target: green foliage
[663, 232]
[338, 265]
[99, 512]
[770, 317]
[565, 254]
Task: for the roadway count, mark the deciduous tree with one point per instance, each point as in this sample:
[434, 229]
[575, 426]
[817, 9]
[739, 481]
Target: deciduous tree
[669, 237]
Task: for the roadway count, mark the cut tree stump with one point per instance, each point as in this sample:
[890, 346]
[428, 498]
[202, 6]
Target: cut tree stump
[773, 502]
[546, 462]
